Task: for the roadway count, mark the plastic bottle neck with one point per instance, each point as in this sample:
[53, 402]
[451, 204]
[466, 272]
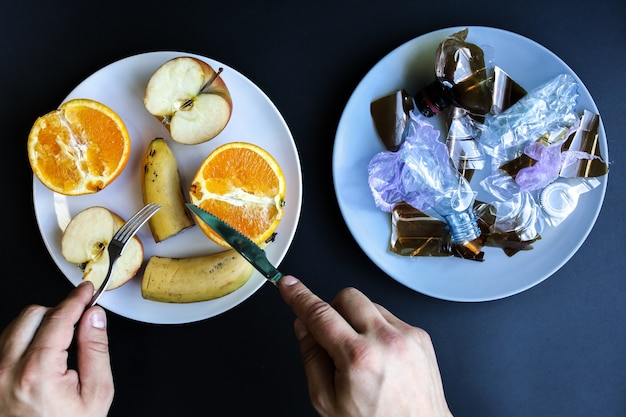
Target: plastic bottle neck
[463, 226]
[433, 99]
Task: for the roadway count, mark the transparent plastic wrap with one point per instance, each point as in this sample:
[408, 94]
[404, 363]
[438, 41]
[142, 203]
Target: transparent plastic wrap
[548, 108]
[421, 174]
[515, 228]
[565, 153]
[520, 215]
[542, 117]
[544, 169]
[581, 164]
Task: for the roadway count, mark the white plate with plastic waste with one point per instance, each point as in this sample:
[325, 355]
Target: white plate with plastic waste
[410, 66]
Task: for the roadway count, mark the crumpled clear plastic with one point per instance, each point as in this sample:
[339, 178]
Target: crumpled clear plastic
[385, 180]
[572, 157]
[547, 111]
[545, 170]
[464, 150]
[520, 215]
[548, 108]
[421, 174]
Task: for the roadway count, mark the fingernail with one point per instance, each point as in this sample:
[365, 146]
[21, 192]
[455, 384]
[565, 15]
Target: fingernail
[289, 280]
[98, 319]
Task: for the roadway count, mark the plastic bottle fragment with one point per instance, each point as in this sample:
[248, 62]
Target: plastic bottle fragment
[391, 115]
[464, 150]
[521, 215]
[462, 78]
[421, 174]
[559, 199]
[548, 108]
[414, 233]
[510, 241]
[506, 91]
[582, 154]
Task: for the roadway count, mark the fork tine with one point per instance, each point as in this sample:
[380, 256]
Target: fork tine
[134, 223]
[138, 222]
[133, 227]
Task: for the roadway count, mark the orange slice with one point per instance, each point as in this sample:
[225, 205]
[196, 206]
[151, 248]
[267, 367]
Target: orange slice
[80, 148]
[243, 185]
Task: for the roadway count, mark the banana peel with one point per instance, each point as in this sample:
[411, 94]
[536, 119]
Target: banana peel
[160, 179]
[193, 279]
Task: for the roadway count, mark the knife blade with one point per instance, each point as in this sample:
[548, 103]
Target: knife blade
[239, 242]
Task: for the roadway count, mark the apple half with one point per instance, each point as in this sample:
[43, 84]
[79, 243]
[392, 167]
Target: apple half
[190, 98]
[85, 241]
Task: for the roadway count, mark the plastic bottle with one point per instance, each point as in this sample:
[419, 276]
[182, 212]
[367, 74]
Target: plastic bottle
[421, 174]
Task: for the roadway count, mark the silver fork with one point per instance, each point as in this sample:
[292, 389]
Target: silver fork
[119, 241]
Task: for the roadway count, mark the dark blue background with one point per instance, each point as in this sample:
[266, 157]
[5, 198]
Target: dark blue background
[557, 349]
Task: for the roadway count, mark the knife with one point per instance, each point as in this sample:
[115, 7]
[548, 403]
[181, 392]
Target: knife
[239, 242]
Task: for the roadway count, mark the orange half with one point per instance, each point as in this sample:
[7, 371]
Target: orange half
[243, 185]
[80, 148]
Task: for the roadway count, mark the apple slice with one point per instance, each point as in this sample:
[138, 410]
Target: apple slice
[85, 241]
[190, 98]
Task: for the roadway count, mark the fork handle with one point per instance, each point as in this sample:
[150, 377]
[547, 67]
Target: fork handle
[115, 250]
[100, 290]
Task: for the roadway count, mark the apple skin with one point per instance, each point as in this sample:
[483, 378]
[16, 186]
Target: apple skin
[85, 241]
[190, 98]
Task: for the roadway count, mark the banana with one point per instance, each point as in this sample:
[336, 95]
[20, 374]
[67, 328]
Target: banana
[201, 278]
[160, 181]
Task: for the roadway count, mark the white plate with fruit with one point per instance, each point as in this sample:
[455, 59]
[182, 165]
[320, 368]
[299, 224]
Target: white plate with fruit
[254, 119]
[411, 67]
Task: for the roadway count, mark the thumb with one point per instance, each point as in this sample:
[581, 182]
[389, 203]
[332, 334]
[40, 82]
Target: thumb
[92, 356]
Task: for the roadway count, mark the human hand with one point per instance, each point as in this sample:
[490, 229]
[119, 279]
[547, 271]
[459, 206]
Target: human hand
[361, 360]
[34, 375]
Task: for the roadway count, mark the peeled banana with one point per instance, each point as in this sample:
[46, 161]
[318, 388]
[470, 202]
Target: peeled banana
[160, 181]
[192, 279]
